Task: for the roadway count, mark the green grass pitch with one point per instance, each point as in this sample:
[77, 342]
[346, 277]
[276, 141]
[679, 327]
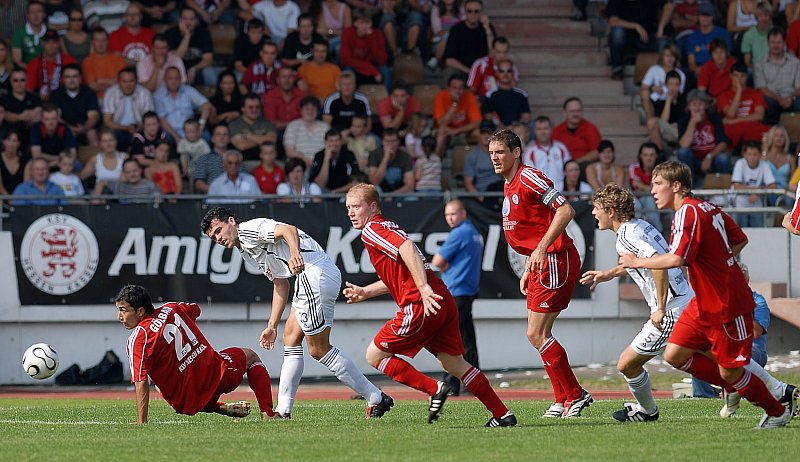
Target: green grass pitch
[100, 430]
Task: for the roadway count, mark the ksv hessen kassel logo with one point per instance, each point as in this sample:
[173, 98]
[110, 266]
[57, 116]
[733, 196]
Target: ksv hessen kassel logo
[59, 254]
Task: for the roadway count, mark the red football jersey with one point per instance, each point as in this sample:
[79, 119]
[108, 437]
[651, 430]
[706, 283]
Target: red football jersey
[796, 210]
[529, 206]
[169, 347]
[703, 235]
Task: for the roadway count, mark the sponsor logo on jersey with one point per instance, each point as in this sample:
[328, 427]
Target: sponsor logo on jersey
[59, 254]
[506, 206]
[515, 199]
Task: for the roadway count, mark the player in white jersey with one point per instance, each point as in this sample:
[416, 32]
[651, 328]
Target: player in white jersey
[281, 251]
[667, 292]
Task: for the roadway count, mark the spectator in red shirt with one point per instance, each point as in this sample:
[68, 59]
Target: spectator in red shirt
[742, 109]
[715, 75]
[702, 139]
[268, 174]
[132, 41]
[261, 75]
[282, 103]
[44, 71]
[395, 110]
[579, 135]
[363, 51]
[483, 73]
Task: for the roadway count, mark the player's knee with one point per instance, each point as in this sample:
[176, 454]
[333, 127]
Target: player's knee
[731, 375]
[537, 339]
[318, 353]
[251, 356]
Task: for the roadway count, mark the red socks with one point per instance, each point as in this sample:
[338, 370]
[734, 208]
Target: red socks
[700, 366]
[258, 378]
[402, 372]
[754, 390]
[556, 363]
[478, 385]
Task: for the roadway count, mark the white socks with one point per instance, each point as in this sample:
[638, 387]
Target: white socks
[775, 386]
[291, 371]
[641, 390]
[346, 371]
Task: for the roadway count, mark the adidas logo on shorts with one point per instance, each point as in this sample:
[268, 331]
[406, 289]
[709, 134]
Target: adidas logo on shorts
[544, 305]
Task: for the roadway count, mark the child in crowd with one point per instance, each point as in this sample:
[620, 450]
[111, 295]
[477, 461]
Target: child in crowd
[416, 126]
[164, 173]
[191, 147]
[360, 142]
[428, 170]
[66, 178]
[268, 174]
[750, 172]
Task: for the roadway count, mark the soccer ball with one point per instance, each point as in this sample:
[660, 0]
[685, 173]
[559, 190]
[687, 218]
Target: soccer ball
[40, 361]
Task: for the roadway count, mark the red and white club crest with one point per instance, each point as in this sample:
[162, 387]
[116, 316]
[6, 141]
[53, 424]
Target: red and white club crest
[59, 254]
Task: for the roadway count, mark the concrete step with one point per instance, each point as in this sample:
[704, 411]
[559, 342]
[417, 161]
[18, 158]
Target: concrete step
[535, 73]
[590, 100]
[560, 57]
[528, 11]
[519, 27]
[565, 40]
[568, 87]
[618, 119]
[493, 4]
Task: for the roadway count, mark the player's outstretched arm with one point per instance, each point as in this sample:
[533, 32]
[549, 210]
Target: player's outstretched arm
[663, 261]
[355, 294]
[595, 277]
[560, 222]
[289, 234]
[280, 295]
[661, 278]
[142, 400]
[412, 257]
[787, 223]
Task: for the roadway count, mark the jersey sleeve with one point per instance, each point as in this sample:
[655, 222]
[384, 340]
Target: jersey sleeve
[191, 310]
[137, 357]
[260, 231]
[385, 240]
[732, 230]
[541, 187]
[684, 236]
[452, 245]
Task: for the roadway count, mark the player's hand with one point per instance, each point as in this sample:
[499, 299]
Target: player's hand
[296, 264]
[656, 319]
[594, 277]
[268, 336]
[536, 261]
[628, 260]
[354, 293]
[429, 300]
[523, 282]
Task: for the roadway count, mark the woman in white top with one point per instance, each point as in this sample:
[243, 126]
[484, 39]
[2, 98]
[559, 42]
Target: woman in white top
[654, 87]
[741, 16]
[572, 183]
[296, 184]
[106, 166]
[304, 137]
[605, 170]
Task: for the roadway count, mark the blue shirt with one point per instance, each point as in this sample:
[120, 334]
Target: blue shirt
[761, 316]
[698, 44]
[180, 109]
[28, 189]
[462, 251]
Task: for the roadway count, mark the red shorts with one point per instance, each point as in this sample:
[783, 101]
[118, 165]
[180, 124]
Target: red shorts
[235, 366]
[731, 343]
[550, 290]
[438, 333]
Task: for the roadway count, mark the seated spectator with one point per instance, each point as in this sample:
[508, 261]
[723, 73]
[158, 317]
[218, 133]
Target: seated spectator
[793, 36]
[76, 42]
[262, 75]
[456, 113]
[333, 18]
[66, 178]
[777, 77]
[106, 167]
[234, 182]
[522, 131]
[742, 109]
[26, 41]
[751, 172]
[150, 69]
[444, 15]
[132, 41]
[413, 139]
[740, 17]
[295, 184]
[779, 160]
[227, 100]
[124, 104]
[101, 68]
[479, 174]
[163, 173]
[715, 75]
[334, 165]
[208, 167]
[13, 163]
[22, 108]
[213, 11]
[654, 82]
[191, 146]
[640, 175]
[702, 139]
[44, 72]
[390, 166]
[158, 11]
[78, 104]
[282, 103]
[38, 185]
[696, 47]
[360, 141]
[298, 47]
[483, 74]
[50, 137]
[318, 76]
[363, 51]
[341, 106]
[176, 103]
[304, 137]
[684, 19]
[663, 127]
[414, 27]
[6, 66]
[247, 46]
[133, 183]
[396, 109]
[754, 41]
[268, 173]
[143, 145]
[469, 39]
[638, 26]
[605, 170]
[580, 136]
[573, 186]
[544, 153]
[428, 168]
[250, 130]
[57, 15]
[107, 14]
[280, 17]
[387, 22]
[191, 41]
[506, 104]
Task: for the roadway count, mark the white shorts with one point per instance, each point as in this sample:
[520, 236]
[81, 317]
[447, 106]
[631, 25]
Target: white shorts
[651, 341]
[315, 293]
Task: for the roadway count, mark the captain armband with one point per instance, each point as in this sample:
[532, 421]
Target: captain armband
[550, 196]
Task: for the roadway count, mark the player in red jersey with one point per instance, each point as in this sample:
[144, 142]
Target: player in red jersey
[167, 345]
[719, 318]
[427, 316]
[791, 221]
[535, 217]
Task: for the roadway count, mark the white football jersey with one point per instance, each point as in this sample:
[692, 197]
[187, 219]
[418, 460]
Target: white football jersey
[643, 239]
[259, 247]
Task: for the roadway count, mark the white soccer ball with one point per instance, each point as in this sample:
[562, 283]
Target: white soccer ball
[40, 361]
